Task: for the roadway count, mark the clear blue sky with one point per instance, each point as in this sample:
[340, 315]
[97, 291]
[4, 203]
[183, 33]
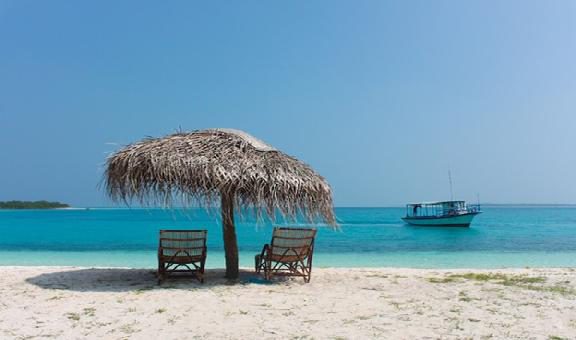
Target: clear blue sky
[381, 97]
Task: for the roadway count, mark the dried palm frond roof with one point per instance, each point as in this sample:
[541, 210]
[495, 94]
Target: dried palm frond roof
[204, 164]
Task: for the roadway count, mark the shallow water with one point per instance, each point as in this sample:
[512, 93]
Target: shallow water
[368, 237]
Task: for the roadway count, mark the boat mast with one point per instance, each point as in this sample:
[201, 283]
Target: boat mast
[450, 180]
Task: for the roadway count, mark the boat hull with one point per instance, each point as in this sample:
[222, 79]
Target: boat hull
[462, 220]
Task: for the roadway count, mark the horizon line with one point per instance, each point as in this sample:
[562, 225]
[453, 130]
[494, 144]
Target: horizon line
[337, 206]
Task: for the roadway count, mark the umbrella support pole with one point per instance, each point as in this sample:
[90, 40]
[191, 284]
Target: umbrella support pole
[229, 233]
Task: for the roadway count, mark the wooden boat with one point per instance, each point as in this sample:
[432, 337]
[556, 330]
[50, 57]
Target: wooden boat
[446, 213]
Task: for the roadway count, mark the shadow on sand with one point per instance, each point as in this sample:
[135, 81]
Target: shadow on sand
[123, 280]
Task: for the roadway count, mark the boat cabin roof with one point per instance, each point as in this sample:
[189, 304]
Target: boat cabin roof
[434, 203]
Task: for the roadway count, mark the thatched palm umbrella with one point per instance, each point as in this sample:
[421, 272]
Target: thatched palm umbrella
[204, 165]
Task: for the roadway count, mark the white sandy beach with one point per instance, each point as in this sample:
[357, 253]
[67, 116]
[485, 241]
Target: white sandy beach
[92, 303]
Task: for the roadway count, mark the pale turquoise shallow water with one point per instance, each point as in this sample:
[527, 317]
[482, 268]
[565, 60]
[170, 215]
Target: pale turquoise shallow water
[368, 237]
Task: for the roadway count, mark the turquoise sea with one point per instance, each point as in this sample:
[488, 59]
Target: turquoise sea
[368, 237]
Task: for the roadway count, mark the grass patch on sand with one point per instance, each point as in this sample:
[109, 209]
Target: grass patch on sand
[73, 316]
[507, 280]
[523, 281]
[554, 289]
[143, 290]
[446, 279]
[463, 296]
[382, 276]
[89, 311]
[56, 297]
[365, 317]
[128, 329]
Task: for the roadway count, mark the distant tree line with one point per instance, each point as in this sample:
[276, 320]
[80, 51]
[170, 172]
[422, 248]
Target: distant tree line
[32, 205]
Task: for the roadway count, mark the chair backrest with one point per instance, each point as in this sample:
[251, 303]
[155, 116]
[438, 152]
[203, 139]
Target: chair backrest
[293, 241]
[182, 242]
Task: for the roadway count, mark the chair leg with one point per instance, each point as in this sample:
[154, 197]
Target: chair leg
[267, 270]
[200, 276]
[257, 263]
[309, 273]
[309, 269]
[161, 272]
[201, 271]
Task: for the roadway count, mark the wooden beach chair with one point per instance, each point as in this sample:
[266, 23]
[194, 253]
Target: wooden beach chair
[289, 253]
[182, 251]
